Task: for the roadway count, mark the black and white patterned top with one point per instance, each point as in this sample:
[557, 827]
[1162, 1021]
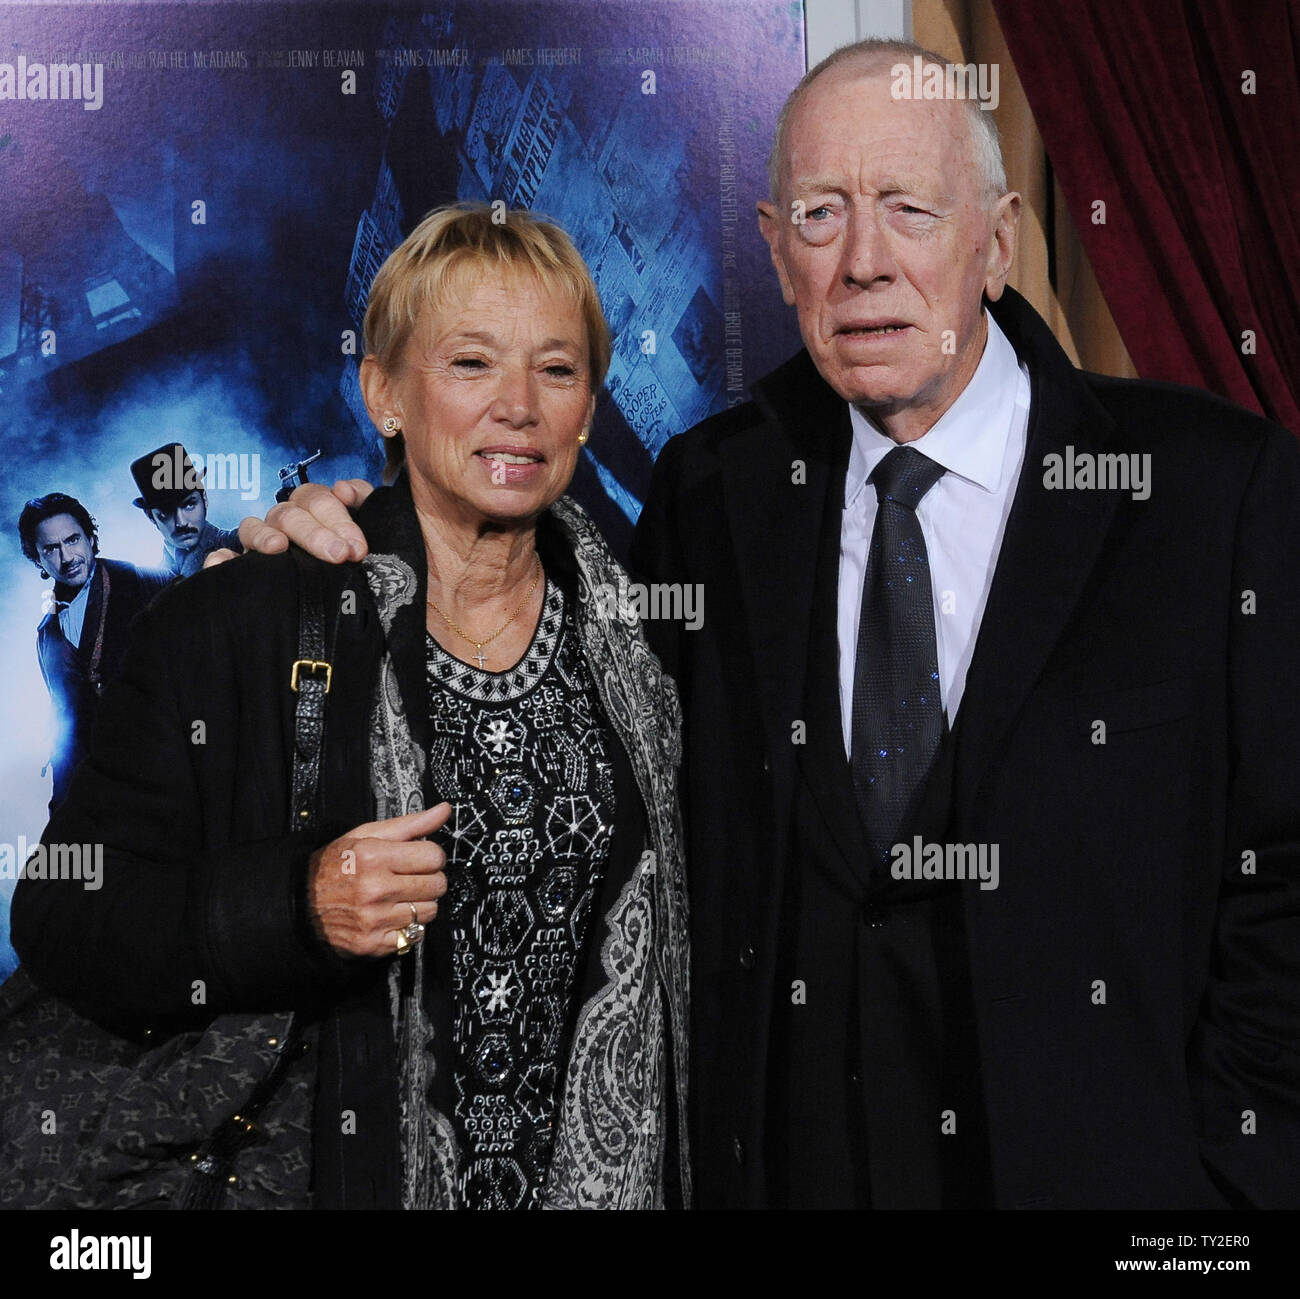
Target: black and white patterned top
[523, 758]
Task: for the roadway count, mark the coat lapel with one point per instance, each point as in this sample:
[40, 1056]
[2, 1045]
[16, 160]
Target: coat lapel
[1051, 543]
[775, 520]
[779, 478]
[85, 650]
[823, 761]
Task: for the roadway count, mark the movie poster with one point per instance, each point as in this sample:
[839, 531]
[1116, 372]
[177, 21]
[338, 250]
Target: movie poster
[193, 201]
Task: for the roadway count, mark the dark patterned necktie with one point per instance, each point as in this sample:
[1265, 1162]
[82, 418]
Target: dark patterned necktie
[898, 720]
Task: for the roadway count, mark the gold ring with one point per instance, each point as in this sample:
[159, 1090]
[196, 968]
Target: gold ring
[402, 945]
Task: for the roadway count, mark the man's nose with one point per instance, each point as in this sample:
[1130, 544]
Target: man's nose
[867, 258]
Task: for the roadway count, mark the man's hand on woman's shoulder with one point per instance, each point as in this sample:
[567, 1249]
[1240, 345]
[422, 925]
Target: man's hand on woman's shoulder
[314, 517]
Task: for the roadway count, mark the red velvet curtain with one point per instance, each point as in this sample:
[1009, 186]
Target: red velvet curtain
[1143, 105]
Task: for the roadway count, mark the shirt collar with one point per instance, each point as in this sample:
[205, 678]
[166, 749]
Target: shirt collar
[969, 439]
[83, 591]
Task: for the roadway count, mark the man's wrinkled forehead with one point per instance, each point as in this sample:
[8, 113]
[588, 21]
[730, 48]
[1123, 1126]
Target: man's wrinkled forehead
[848, 129]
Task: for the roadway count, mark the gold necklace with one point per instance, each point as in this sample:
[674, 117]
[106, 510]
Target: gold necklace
[478, 644]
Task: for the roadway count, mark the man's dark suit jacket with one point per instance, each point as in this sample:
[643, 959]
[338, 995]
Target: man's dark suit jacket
[73, 688]
[1164, 863]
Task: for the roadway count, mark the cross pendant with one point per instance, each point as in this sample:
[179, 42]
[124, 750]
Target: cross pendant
[479, 656]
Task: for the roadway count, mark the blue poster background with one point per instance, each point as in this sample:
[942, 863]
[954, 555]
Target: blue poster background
[189, 259]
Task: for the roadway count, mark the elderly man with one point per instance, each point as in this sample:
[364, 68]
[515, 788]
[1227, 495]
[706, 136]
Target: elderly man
[992, 737]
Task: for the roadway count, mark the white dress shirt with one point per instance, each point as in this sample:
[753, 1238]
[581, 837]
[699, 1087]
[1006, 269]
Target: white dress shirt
[980, 441]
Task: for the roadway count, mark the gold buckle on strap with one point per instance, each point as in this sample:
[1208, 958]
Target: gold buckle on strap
[313, 667]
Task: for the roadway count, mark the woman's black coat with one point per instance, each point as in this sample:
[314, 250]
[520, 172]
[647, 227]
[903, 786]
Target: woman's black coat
[191, 763]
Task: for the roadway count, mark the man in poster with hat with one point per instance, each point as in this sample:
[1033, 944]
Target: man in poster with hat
[173, 497]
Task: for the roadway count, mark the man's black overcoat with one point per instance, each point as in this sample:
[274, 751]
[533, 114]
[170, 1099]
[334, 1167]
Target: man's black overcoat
[1134, 975]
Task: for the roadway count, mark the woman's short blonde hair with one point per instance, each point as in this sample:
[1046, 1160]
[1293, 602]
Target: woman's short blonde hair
[425, 269]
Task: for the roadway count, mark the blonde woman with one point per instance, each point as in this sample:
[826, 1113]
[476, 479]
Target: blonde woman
[476, 951]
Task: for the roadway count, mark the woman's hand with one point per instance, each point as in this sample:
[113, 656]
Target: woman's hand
[362, 886]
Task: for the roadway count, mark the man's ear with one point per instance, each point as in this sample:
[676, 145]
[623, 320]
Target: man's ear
[770, 225]
[377, 392]
[1002, 247]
